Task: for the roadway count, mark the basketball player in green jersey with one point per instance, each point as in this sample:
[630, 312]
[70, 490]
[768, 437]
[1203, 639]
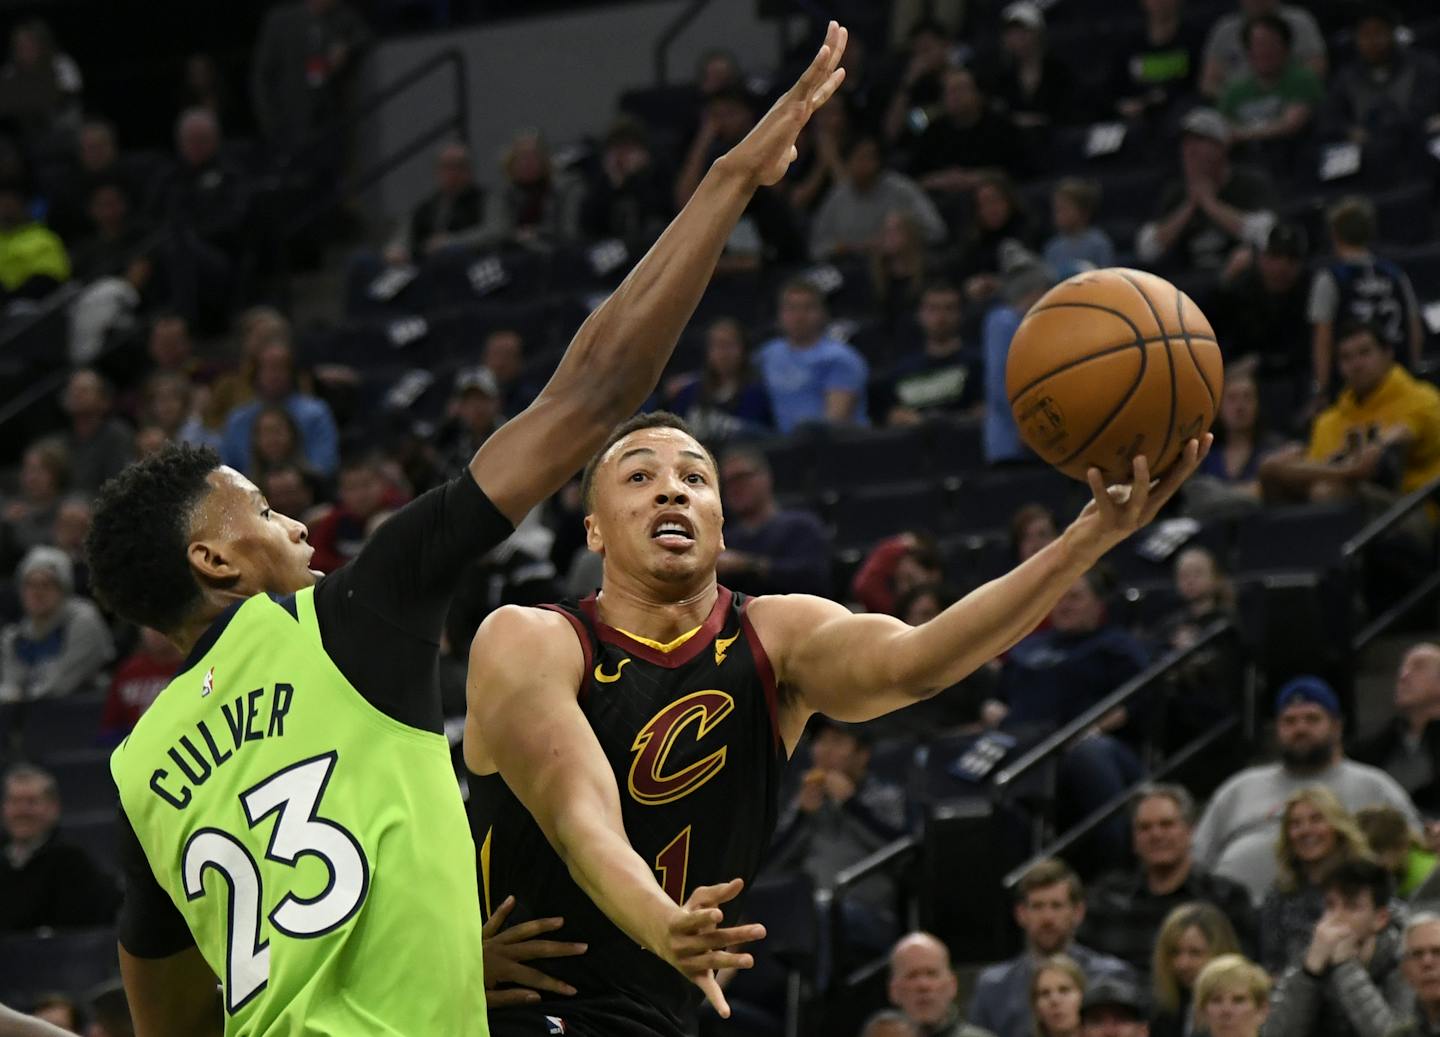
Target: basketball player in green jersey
[291, 823]
[643, 729]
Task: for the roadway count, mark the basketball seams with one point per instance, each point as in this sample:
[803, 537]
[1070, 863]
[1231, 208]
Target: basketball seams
[1185, 334]
[1169, 358]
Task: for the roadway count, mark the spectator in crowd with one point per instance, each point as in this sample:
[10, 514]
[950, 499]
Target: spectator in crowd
[33, 260]
[168, 403]
[255, 328]
[626, 195]
[1000, 238]
[110, 1012]
[97, 445]
[1232, 997]
[898, 269]
[1230, 473]
[1398, 848]
[202, 205]
[96, 161]
[504, 357]
[304, 64]
[725, 399]
[1421, 969]
[1225, 50]
[1261, 307]
[1317, 834]
[474, 415]
[1190, 936]
[965, 138]
[1214, 206]
[820, 162]
[274, 440]
[1056, 994]
[893, 568]
[1126, 910]
[112, 238]
[852, 216]
[1113, 1007]
[942, 376]
[921, 85]
[1383, 431]
[1388, 95]
[1408, 747]
[1036, 87]
[1077, 243]
[450, 217]
[1054, 675]
[516, 572]
[1357, 286]
[889, 1023]
[768, 549]
[1050, 904]
[290, 490]
[30, 515]
[1022, 288]
[1348, 982]
[1277, 96]
[811, 377]
[1241, 826]
[841, 814]
[40, 85]
[59, 1010]
[923, 986]
[139, 678]
[72, 526]
[1157, 65]
[365, 498]
[203, 85]
[44, 881]
[1206, 597]
[61, 643]
[274, 382]
[1031, 528]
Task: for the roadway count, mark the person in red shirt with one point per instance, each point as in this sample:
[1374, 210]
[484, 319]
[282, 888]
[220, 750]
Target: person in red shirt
[140, 677]
[366, 496]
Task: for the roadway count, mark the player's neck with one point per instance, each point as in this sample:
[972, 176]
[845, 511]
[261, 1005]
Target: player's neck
[190, 631]
[629, 605]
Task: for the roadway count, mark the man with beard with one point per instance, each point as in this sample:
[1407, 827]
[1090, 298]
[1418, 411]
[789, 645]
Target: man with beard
[1236, 837]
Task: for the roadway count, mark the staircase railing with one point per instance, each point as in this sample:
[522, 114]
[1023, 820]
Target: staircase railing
[1353, 558]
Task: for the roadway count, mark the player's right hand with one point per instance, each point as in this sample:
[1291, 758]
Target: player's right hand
[769, 148]
[505, 949]
[698, 947]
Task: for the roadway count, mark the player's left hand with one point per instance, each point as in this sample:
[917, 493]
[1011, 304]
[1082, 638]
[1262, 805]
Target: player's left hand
[769, 148]
[1118, 511]
[505, 949]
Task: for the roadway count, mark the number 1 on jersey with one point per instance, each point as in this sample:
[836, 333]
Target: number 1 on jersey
[673, 864]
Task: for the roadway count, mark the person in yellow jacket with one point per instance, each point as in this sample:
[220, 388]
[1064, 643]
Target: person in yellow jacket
[32, 257]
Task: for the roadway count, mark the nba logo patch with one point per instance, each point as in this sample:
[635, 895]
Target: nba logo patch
[208, 684]
[557, 1025]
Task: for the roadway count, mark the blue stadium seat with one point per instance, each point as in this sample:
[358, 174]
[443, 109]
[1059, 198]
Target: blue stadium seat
[863, 517]
[1307, 536]
[989, 499]
[93, 831]
[49, 726]
[1422, 263]
[853, 458]
[84, 779]
[793, 461]
[73, 961]
[975, 558]
[956, 445]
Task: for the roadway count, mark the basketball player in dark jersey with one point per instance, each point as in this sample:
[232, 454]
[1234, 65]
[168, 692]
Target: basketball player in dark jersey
[625, 750]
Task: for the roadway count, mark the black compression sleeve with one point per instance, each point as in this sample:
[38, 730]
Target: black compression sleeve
[381, 615]
[151, 926]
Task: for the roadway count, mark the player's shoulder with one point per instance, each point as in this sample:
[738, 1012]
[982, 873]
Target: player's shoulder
[523, 632]
[786, 612]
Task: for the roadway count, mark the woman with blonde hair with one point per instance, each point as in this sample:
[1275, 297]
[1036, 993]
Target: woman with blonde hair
[1316, 833]
[1056, 991]
[1192, 935]
[1232, 997]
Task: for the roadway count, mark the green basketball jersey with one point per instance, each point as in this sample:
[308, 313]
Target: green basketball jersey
[317, 849]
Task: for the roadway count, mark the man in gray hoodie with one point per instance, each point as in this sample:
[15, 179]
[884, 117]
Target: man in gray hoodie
[1349, 983]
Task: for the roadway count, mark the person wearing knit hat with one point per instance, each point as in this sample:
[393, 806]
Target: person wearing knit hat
[1236, 837]
[61, 643]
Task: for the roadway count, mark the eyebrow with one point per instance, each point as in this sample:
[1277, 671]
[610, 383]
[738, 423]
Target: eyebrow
[633, 451]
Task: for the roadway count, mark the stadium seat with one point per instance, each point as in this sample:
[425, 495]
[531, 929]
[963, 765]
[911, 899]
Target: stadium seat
[989, 499]
[1305, 537]
[862, 517]
[857, 458]
[793, 461]
[91, 830]
[955, 445]
[75, 961]
[84, 779]
[49, 726]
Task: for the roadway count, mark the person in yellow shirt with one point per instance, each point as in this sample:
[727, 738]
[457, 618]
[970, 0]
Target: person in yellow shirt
[32, 257]
[1383, 430]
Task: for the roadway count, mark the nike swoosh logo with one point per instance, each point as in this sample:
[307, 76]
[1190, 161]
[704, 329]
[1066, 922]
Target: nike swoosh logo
[722, 645]
[609, 678]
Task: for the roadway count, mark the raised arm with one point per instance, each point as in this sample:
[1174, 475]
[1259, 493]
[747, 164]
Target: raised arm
[616, 357]
[857, 667]
[524, 720]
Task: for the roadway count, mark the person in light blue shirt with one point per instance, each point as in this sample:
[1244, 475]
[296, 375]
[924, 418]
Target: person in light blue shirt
[1023, 286]
[811, 378]
[1077, 244]
[275, 384]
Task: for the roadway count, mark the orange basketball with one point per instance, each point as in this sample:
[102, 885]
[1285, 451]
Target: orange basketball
[1111, 364]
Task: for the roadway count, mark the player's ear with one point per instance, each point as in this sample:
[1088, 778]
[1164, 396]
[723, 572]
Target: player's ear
[211, 564]
[594, 540]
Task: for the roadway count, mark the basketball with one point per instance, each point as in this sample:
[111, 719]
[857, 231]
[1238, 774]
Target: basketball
[1111, 364]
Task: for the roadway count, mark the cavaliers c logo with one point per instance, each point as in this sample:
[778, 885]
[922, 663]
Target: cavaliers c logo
[649, 783]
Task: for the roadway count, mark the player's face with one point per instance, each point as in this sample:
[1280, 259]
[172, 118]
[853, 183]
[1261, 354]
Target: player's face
[1050, 916]
[239, 543]
[657, 508]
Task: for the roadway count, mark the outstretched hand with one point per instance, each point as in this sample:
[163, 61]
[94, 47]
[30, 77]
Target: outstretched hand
[697, 947]
[1117, 511]
[769, 148]
[505, 950]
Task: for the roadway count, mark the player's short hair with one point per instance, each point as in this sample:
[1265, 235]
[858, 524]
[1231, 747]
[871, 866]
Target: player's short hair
[1352, 221]
[1279, 26]
[1044, 874]
[640, 422]
[136, 549]
[1081, 193]
[1356, 875]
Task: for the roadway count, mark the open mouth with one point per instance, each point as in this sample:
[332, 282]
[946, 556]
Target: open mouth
[673, 530]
